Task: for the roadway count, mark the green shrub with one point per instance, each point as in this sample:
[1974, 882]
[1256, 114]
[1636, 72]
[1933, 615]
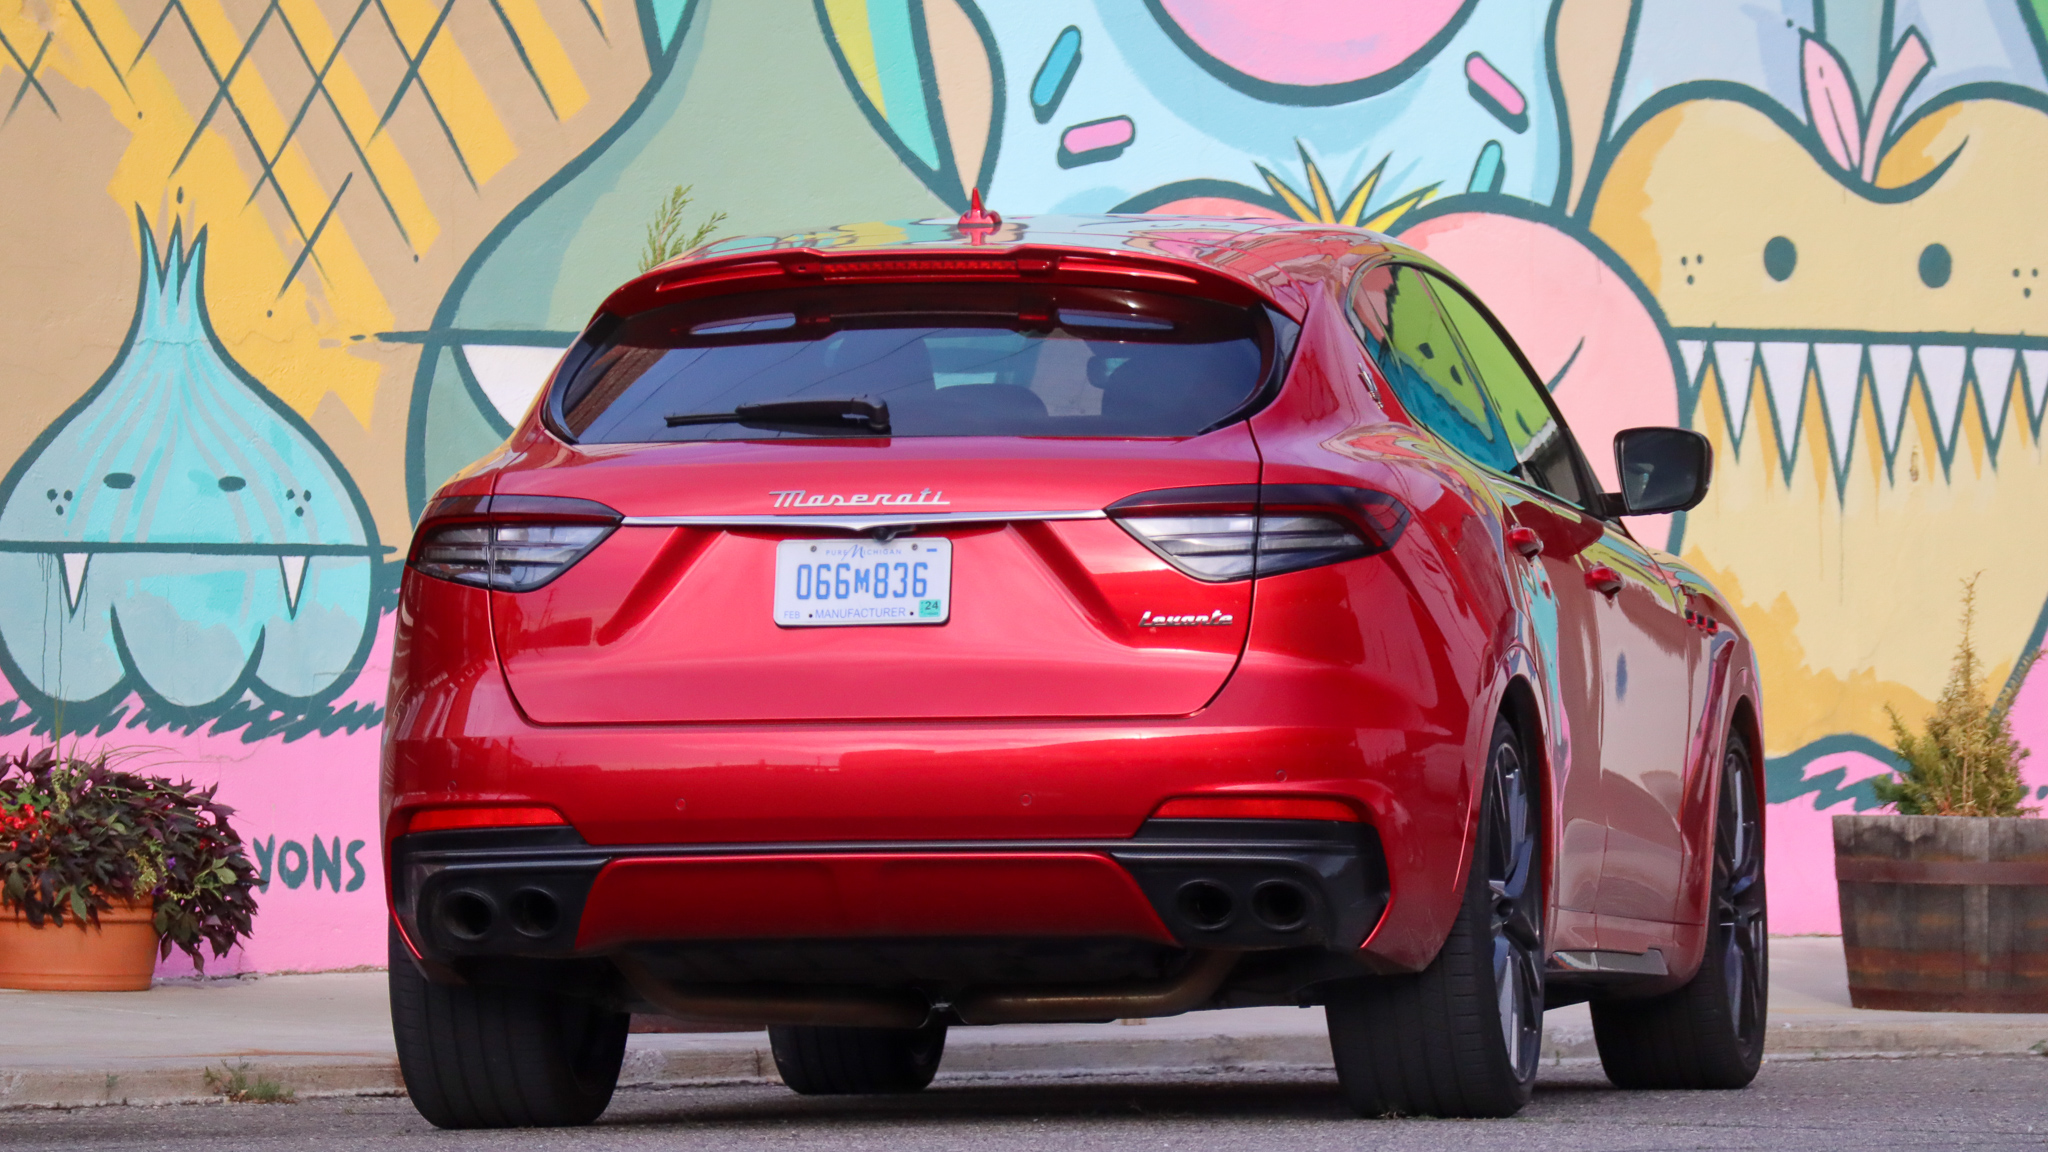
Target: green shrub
[665, 237]
[1967, 762]
[78, 834]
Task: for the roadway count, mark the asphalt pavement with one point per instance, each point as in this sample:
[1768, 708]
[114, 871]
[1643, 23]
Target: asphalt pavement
[1809, 1105]
[328, 1036]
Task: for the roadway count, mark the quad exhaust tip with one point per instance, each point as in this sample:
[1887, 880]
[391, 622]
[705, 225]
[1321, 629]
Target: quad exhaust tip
[468, 914]
[534, 912]
[1206, 904]
[1281, 905]
[1278, 905]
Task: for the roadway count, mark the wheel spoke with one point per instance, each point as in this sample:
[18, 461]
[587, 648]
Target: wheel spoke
[1516, 984]
[1514, 920]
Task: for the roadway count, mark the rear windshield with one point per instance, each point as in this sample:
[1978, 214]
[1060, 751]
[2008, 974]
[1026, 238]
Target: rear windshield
[946, 359]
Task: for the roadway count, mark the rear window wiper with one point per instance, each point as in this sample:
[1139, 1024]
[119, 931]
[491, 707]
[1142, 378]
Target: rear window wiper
[857, 414]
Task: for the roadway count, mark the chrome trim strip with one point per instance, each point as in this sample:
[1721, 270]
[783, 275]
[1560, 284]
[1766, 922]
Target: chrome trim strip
[1649, 963]
[857, 523]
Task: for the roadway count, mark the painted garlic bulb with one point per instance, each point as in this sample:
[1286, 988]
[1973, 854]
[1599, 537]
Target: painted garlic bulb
[180, 531]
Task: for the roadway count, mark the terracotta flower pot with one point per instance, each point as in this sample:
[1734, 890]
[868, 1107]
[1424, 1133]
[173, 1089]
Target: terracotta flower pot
[117, 956]
[1944, 913]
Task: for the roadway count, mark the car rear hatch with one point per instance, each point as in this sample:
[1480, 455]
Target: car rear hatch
[926, 540]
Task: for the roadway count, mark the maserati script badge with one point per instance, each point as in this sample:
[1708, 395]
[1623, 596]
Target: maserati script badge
[798, 498]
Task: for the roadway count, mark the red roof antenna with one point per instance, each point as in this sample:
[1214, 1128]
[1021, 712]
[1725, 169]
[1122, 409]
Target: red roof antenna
[978, 221]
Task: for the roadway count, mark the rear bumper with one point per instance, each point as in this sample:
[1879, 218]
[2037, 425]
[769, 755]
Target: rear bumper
[1313, 711]
[1187, 884]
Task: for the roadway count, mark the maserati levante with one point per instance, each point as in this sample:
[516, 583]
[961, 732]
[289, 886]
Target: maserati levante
[890, 630]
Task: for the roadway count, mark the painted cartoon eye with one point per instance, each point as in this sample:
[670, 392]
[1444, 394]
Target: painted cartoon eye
[119, 480]
[1935, 265]
[232, 483]
[1781, 256]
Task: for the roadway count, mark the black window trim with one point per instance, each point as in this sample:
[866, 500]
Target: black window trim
[599, 329]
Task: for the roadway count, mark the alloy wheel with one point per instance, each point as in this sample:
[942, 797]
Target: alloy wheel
[1739, 896]
[1517, 919]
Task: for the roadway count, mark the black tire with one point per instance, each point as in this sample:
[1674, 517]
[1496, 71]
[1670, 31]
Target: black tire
[480, 1057]
[1463, 1037]
[826, 1061]
[1710, 1033]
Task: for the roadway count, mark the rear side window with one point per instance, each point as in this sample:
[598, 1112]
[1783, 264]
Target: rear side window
[1541, 444]
[1413, 344]
[946, 360]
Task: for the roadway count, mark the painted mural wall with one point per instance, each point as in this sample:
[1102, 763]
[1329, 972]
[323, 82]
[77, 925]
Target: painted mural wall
[270, 270]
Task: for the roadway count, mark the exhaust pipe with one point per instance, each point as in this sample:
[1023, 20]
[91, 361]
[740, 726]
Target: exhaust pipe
[1281, 905]
[772, 1004]
[1040, 1006]
[468, 914]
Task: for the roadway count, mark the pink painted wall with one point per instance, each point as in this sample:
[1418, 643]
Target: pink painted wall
[286, 795]
[1799, 836]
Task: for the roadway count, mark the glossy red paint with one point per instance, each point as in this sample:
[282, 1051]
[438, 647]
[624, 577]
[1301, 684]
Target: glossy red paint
[866, 895]
[1255, 808]
[691, 640]
[646, 695]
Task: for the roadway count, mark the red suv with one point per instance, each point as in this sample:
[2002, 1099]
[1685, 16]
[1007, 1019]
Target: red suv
[1064, 620]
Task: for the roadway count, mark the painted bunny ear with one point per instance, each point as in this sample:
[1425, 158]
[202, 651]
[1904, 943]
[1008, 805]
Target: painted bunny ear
[1831, 103]
[1907, 66]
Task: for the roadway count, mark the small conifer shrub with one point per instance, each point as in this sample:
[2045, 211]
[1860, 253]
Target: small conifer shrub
[1966, 763]
[666, 238]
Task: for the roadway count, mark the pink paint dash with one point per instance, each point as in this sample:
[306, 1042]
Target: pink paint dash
[1096, 135]
[1488, 79]
[1219, 206]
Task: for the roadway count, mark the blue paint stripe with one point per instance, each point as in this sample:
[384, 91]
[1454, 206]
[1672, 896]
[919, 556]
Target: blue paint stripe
[1489, 173]
[902, 80]
[1057, 69]
[668, 17]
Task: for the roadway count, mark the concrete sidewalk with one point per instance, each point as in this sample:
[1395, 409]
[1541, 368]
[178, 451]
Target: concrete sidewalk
[331, 1035]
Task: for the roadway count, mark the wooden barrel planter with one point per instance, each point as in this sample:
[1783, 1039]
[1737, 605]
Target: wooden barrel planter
[1944, 913]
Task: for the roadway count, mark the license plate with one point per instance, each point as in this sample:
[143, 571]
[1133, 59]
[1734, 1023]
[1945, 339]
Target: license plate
[828, 582]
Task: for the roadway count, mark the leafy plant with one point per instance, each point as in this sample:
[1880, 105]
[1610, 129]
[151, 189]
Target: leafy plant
[78, 834]
[235, 1084]
[665, 239]
[1967, 762]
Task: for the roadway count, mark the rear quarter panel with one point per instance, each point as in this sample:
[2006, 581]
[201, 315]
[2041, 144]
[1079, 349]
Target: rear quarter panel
[1729, 702]
[1431, 627]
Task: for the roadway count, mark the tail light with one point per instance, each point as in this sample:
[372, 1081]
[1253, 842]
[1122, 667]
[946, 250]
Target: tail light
[446, 819]
[1241, 531]
[507, 543]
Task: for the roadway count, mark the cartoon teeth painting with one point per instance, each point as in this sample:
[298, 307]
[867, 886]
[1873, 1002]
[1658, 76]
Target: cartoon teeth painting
[179, 531]
[1840, 220]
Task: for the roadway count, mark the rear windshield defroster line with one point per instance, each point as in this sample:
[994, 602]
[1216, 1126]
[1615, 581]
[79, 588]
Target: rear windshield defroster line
[946, 360]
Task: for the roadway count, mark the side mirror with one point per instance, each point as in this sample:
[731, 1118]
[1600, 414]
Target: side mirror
[1662, 469]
